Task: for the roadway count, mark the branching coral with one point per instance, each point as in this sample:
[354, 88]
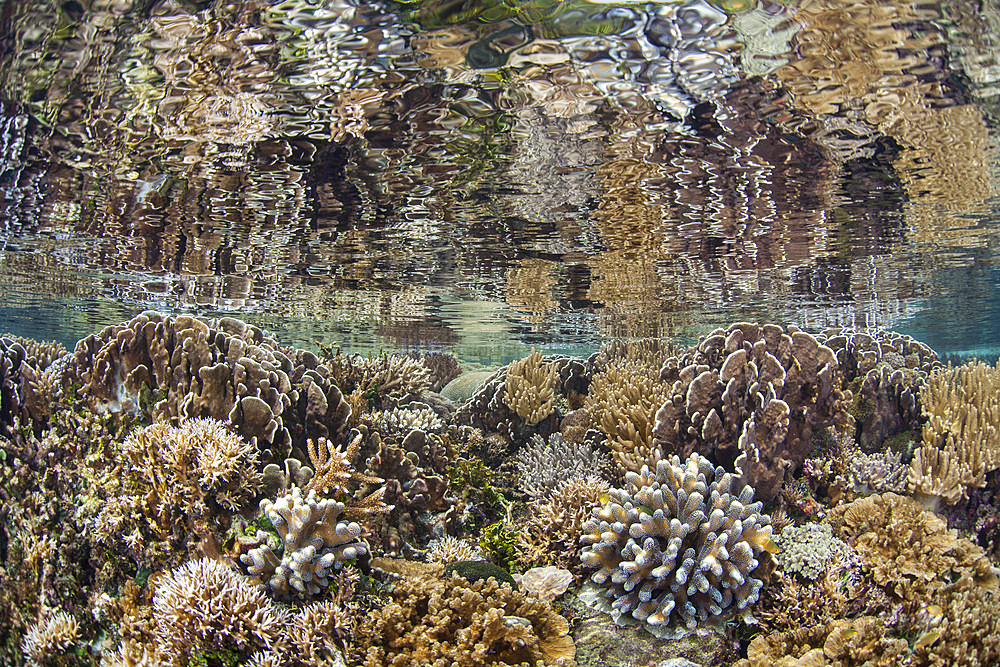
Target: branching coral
[435, 622]
[205, 605]
[961, 439]
[313, 545]
[623, 400]
[550, 530]
[678, 544]
[807, 549]
[177, 480]
[544, 466]
[48, 640]
[530, 387]
[452, 550]
[858, 642]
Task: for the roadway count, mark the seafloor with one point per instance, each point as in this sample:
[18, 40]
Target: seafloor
[189, 492]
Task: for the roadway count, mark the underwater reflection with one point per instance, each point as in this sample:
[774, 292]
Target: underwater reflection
[446, 173]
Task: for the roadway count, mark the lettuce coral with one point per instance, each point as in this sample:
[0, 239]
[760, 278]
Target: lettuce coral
[677, 545]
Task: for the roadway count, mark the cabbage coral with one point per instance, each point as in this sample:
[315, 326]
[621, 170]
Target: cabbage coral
[677, 545]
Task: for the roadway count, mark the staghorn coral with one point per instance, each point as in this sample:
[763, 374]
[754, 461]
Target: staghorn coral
[389, 378]
[450, 549]
[205, 605]
[334, 476]
[409, 418]
[176, 483]
[908, 551]
[314, 544]
[677, 545]
[46, 641]
[529, 387]
[751, 395]
[549, 532]
[808, 549]
[319, 633]
[435, 622]
[443, 368]
[544, 466]
[961, 439]
[623, 400]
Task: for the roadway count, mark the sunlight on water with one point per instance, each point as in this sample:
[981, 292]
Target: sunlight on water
[495, 177]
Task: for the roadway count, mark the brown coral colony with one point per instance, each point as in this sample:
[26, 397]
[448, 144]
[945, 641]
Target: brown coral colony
[180, 490]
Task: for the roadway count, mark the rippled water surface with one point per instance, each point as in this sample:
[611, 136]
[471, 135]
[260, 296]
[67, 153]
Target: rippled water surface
[492, 176]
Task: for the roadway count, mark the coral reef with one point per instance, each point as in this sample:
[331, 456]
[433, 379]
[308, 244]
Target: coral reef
[961, 439]
[679, 544]
[435, 621]
[313, 544]
[753, 395]
[192, 541]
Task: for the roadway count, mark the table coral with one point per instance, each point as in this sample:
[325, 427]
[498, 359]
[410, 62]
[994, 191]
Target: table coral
[677, 545]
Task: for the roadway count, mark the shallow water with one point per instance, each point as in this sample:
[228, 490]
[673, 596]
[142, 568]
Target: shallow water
[488, 177]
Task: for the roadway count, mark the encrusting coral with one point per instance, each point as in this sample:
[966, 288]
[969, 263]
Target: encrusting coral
[677, 545]
[961, 439]
[314, 544]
